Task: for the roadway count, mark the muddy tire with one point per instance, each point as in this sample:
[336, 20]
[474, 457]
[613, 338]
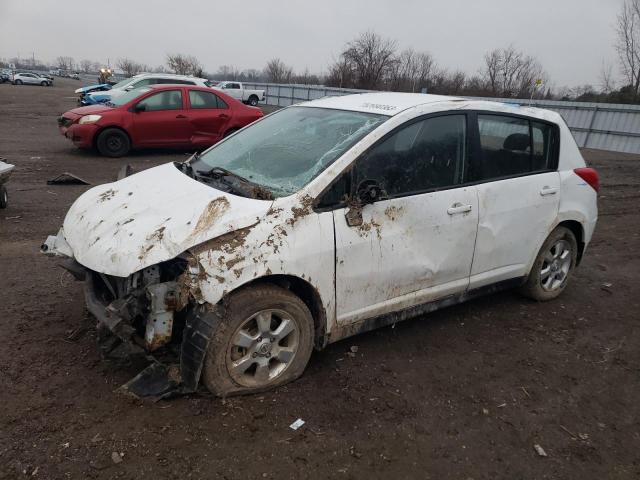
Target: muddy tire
[113, 142]
[4, 197]
[553, 266]
[264, 341]
[253, 101]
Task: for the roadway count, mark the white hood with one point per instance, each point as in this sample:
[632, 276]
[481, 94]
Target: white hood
[153, 216]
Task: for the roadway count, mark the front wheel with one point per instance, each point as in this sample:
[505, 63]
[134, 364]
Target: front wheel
[44, 84]
[265, 340]
[253, 100]
[553, 266]
[113, 142]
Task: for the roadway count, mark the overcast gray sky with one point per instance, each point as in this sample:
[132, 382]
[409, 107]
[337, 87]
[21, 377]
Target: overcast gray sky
[571, 38]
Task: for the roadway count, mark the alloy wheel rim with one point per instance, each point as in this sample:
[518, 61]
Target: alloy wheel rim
[555, 266]
[114, 143]
[262, 348]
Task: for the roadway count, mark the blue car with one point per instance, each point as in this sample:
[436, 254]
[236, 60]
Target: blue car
[138, 81]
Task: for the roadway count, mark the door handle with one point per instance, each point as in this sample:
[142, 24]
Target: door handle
[458, 208]
[546, 190]
[224, 116]
[181, 116]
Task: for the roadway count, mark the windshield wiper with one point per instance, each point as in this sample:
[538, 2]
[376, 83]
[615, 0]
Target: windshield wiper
[236, 182]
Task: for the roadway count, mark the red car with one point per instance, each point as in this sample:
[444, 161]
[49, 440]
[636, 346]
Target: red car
[157, 116]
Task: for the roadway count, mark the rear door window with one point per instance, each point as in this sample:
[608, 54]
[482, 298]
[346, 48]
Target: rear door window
[513, 146]
[203, 100]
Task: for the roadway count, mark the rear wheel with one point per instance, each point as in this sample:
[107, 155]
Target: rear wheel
[253, 100]
[553, 266]
[18, 82]
[4, 197]
[265, 341]
[113, 142]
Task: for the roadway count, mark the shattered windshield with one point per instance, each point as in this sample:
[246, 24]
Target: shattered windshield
[286, 150]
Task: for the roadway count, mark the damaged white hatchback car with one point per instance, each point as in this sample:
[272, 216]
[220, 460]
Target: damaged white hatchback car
[321, 221]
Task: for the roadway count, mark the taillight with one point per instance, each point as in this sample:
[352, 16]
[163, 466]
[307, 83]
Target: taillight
[590, 176]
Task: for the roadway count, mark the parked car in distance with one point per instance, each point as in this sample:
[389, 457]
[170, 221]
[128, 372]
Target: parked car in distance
[27, 78]
[157, 116]
[46, 76]
[237, 91]
[5, 76]
[142, 80]
[324, 220]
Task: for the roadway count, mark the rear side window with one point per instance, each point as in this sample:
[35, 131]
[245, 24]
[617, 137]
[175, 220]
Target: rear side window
[426, 155]
[512, 146]
[545, 146]
[165, 100]
[200, 100]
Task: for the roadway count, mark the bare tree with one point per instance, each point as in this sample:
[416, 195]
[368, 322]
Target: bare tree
[228, 72]
[306, 78]
[252, 75]
[607, 81]
[64, 63]
[371, 57]
[411, 71]
[277, 72]
[85, 65]
[129, 67]
[341, 74]
[184, 64]
[510, 73]
[628, 43]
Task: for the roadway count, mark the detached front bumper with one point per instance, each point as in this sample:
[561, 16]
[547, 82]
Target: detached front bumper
[136, 316]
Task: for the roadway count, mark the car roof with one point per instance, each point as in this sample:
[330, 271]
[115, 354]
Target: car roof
[166, 75]
[387, 103]
[172, 86]
[393, 103]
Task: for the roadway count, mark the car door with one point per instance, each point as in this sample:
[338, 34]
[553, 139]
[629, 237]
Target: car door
[209, 116]
[160, 119]
[519, 191]
[415, 244]
[30, 79]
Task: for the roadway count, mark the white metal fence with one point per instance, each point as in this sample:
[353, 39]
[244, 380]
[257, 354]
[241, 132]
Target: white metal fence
[602, 126]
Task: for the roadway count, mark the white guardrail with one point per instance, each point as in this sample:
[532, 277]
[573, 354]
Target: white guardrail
[603, 126]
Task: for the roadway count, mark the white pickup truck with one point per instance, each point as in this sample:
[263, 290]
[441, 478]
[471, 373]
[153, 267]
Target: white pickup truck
[237, 91]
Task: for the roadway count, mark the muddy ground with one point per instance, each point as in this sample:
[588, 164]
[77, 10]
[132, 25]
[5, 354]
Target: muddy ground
[462, 394]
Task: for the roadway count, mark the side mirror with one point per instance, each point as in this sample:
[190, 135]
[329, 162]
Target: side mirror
[369, 191]
[129, 88]
[139, 107]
